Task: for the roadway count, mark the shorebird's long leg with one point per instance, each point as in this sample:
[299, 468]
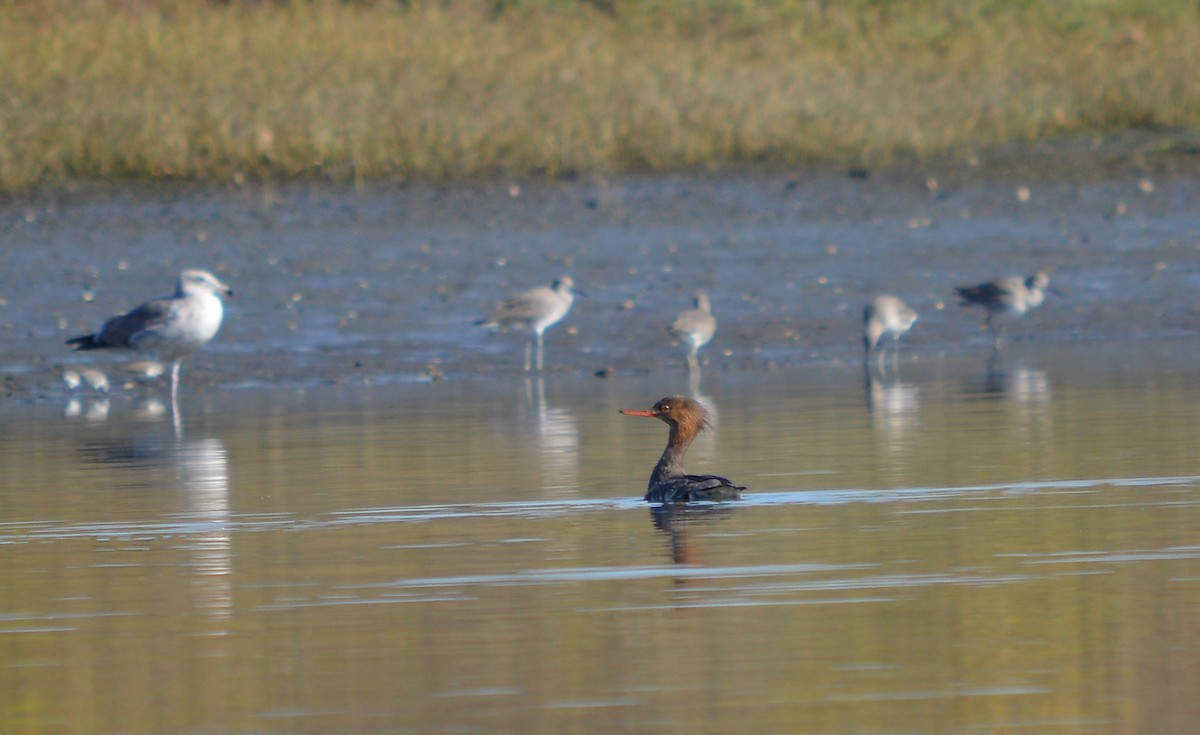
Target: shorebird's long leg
[528, 347]
[539, 340]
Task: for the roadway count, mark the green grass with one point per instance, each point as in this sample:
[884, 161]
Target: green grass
[361, 90]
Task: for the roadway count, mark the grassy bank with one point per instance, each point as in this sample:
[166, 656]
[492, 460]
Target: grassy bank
[199, 90]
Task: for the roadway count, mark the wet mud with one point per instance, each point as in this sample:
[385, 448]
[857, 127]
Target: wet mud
[383, 284]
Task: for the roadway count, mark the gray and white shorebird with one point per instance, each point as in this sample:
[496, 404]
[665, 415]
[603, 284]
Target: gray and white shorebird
[883, 316]
[535, 310]
[169, 328]
[695, 327]
[1005, 299]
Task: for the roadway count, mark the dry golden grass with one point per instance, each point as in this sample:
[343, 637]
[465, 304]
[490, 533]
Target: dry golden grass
[452, 89]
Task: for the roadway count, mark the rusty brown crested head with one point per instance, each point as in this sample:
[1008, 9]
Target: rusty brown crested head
[685, 416]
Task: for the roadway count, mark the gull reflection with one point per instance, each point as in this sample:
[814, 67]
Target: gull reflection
[202, 467]
[198, 468]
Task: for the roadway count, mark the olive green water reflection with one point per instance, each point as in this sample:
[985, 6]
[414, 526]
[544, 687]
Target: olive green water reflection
[963, 550]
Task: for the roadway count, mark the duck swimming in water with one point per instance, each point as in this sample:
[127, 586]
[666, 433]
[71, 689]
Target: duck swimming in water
[668, 482]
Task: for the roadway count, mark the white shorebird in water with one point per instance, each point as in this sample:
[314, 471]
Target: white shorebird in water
[695, 327]
[1004, 299]
[535, 310]
[169, 328]
[883, 316]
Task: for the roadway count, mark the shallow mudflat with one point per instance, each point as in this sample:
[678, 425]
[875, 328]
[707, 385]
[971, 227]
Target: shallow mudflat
[340, 285]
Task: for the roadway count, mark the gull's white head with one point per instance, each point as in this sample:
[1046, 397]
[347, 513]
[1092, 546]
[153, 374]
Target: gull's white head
[199, 282]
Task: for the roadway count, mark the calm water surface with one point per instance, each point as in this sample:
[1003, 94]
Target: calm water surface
[974, 546]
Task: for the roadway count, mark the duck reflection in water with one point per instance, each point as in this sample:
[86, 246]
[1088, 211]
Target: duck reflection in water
[679, 522]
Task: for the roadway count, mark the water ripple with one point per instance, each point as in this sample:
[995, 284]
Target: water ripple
[184, 525]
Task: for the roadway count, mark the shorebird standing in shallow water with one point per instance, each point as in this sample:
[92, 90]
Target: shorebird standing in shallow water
[535, 311]
[1004, 299]
[695, 327]
[885, 315]
[668, 482]
[168, 328]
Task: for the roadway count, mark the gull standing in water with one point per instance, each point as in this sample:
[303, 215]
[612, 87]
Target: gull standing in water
[883, 316]
[535, 311]
[169, 328]
[1004, 299]
[695, 327]
[668, 482]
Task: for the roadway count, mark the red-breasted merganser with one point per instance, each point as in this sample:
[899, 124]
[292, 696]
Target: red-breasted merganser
[668, 482]
[168, 328]
[535, 311]
[1005, 298]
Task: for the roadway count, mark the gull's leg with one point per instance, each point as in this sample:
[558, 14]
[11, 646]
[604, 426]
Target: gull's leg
[175, 418]
[175, 382]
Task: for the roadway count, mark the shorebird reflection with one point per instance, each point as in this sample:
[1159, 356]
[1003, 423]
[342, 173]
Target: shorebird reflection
[1025, 391]
[89, 409]
[895, 409]
[1016, 382]
[557, 441]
